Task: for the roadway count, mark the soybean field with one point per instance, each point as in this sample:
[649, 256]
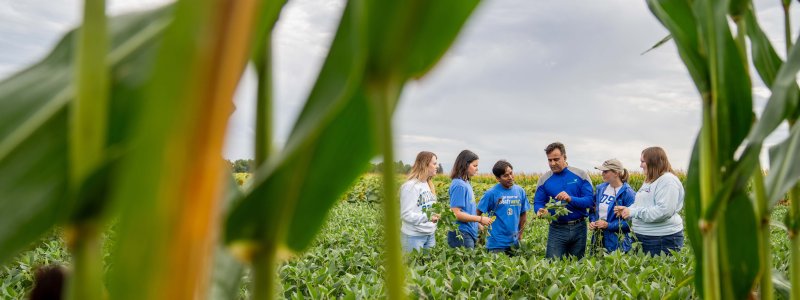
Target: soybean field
[345, 261]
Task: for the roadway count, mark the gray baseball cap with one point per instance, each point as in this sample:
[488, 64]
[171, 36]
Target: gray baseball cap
[611, 164]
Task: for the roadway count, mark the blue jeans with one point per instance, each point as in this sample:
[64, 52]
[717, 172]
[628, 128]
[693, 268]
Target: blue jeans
[466, 240]
[411, 242]
[655, 245]
[564, 239]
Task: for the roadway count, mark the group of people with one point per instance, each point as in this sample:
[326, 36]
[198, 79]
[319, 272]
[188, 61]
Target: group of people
[653, 210]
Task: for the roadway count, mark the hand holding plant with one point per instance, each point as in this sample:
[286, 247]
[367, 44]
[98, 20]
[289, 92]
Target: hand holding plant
[557, 206]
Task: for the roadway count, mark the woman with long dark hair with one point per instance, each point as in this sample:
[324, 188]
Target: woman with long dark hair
[462, 202]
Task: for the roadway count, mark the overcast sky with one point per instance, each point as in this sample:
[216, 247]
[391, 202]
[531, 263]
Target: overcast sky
[521, 75]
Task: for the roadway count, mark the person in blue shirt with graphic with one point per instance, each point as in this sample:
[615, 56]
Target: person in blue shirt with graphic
[508, 203]
[615, 190]
[567, 234]
[462, 202]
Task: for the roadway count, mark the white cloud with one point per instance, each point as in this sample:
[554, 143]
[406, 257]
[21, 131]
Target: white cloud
[521, 75]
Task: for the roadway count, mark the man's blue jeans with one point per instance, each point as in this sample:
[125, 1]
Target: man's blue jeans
[466, 240]
[566, 239]
[655, 245]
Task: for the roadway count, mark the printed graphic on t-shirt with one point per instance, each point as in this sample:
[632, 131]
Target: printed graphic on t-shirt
[609, 195]
[425, 200]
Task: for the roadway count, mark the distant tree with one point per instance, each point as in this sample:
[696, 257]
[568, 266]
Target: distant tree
[241, 165]
[399, 167]
[439, 169]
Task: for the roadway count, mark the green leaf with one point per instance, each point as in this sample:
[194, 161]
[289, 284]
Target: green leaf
[439, 24]
[297, 185]
[553, 291]
[693, 211]
[331, 107]
[658, 44]
[730, 82]
[677, 16]
[768, 63]
[743, 264]
[33, 126]
[784, 171]
[169, 184]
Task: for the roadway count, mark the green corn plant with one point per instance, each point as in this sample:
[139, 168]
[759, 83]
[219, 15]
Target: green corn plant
[155, 165]
[723, 218]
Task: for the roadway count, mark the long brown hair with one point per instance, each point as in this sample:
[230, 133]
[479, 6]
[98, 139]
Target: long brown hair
[419, 170]
[657, 163]
[461, 165]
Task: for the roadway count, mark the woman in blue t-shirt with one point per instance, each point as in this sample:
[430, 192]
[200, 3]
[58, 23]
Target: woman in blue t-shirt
[462, 202]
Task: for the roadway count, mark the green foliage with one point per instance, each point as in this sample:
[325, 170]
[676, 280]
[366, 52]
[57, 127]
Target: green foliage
[723, 217]
[558, 207]
[345, 260]
[241, 165]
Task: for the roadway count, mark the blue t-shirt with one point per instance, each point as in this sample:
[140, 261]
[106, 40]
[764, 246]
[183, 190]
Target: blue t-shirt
[571, 180]
[462, 196]
[506, 205]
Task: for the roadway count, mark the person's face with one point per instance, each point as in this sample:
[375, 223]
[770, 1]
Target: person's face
[609, 175]
[472, 169]
[556, 161]
[432, 166]
[643, 164]
[507, 179]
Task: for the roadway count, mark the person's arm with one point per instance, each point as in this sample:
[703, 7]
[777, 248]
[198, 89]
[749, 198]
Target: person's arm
[593, 213]
[523, 218]
[539, 197]
[618, 223]
[409, 211]
[585, 197]
[667, 203]
[465, 217]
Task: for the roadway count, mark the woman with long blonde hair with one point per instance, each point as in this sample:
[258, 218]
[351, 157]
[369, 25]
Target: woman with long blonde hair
[416, 196]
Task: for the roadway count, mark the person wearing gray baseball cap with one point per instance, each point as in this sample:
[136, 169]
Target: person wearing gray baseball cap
[611, 231]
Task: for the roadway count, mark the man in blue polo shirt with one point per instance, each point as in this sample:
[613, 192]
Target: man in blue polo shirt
[508, 203]
[567, 234]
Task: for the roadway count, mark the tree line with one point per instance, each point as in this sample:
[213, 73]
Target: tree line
[246, 166]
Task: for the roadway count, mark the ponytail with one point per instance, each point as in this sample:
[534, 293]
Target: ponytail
[624, 176]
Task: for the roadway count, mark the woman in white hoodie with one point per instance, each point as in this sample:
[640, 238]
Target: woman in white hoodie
[417, 195]
[655, 212]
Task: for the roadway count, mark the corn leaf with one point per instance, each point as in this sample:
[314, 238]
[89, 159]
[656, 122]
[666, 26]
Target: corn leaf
[693, 209]
[768, 63]
[741, 229]
[33, 122]
[677, 16]
[784, 171]
[170, 183]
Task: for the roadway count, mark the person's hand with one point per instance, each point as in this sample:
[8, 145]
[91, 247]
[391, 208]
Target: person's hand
[485, 221]
[601, 224]
[563, 196]
[435, 218]
[592, 225]
[542, 212]
[622, 211]
[480, 227]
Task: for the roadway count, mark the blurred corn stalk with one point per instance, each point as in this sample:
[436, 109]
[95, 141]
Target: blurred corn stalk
[729, 227]
[146, 103]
